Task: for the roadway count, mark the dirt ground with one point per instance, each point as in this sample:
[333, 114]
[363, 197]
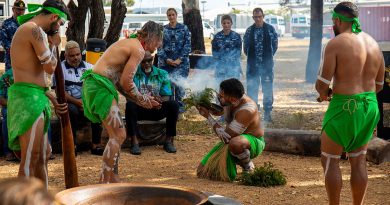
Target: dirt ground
[295, 107]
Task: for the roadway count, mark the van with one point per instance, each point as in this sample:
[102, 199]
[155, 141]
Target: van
[240, 22]
[277, 22]
[300, 25]
[208, 31]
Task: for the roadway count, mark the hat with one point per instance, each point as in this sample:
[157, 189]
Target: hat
[19, 5]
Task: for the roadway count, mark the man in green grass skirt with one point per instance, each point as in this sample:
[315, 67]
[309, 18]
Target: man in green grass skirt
[241, 139]
[33, 52]
[355, 63]
[115, 71]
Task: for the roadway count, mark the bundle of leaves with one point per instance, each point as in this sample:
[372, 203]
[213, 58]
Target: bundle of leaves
[202, 98]
[264, 176]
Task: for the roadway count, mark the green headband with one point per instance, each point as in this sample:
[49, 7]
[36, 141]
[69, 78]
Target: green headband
[33, 9]
[355, 21]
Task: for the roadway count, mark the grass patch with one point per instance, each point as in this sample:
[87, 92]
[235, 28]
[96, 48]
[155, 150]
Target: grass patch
[296, 121]
[186, 127]
[265, 176]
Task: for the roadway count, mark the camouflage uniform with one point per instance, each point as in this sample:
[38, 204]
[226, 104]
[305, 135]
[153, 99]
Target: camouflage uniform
[263, 68]
[7, 32]
[176, 44]
[226, 53]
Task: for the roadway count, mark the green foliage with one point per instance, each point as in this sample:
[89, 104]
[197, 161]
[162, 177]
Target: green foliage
[202, 98]
[129, 3]
[264, 176]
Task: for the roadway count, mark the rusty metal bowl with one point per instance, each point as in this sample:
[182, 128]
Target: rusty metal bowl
[126, 194]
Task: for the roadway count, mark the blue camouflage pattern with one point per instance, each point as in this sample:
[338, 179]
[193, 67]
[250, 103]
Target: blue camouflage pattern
[259, 37]
[226, 50]
[7, 32]
[176, 44]
[263, 75]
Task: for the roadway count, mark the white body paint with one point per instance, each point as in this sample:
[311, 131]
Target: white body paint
[319, 76]
[44, 159]
[30, 146]
[237, 127]
[115, 118]
[328, 157]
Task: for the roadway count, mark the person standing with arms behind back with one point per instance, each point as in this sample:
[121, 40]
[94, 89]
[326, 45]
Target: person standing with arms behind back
[260, 45]
[173, 55]
[354, 62]
[226, 48]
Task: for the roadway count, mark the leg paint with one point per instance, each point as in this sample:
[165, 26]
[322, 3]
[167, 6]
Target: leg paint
[110, 160]
[115, 117]
[44, 152]
[245, 160]
[328, 157]
[30, 146]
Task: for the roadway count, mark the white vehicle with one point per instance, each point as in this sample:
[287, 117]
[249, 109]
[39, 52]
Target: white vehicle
[277, 22]
[208, 31]
[300, 25]
[240, 22]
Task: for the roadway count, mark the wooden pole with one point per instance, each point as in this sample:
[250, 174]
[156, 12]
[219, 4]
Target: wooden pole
[68, 152]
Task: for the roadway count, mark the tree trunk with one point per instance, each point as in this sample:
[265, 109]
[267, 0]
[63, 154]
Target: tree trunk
[118, 14]
[193, 20]
[96, 24]
[76, 27]
[313, 59]
[303, 142]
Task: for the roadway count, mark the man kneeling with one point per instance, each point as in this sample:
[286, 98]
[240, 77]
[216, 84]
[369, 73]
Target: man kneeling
[153, 81]
[242, 138]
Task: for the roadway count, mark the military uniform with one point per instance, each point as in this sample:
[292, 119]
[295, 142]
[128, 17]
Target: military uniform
[226, 53]
[7, 32]
[176, 45]
[260, 51]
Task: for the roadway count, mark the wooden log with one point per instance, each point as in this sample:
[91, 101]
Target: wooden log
[300, 142]
[303, 142]
[378, 151]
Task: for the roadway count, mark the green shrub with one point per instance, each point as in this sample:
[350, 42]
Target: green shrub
[264, 176]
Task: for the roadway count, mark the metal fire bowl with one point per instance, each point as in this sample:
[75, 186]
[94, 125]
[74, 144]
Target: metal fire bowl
[126, 194]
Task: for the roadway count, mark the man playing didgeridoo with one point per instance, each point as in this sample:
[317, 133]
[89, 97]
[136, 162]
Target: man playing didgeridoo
[355, 63]
[33, 52]
[242, 139]
[115, 71]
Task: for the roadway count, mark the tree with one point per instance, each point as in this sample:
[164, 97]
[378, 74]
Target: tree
[76, 27]
[118, 14]
[193, 19]
[314, 56]
[96, 23]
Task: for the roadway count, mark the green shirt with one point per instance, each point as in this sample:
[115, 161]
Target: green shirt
[157, 83]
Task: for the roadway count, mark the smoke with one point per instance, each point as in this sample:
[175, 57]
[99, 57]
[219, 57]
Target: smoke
[201, 77]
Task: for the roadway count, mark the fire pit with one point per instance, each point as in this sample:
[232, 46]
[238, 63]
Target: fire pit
[126, 194]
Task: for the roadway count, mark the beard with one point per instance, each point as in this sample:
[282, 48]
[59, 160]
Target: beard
[336, 30]
[52, 31]
[148, 70]
[224, 104]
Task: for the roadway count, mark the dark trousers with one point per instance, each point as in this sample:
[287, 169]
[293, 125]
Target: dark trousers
[253, 83]
[77, 118]
[4, 130]
[134, 113]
